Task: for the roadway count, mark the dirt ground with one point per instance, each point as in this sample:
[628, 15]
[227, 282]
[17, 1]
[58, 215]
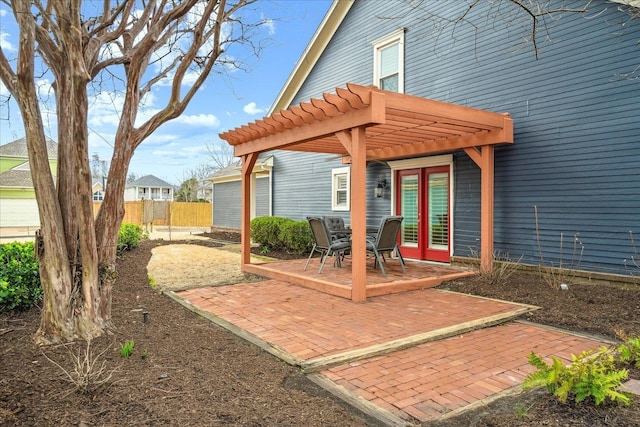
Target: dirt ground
[190, 265]
[186, 371]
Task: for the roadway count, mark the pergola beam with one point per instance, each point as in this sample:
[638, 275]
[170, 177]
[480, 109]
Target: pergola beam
[503, 135]
[369, 115]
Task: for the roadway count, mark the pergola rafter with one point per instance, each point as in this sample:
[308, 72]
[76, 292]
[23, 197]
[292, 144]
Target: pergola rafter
[364, 123]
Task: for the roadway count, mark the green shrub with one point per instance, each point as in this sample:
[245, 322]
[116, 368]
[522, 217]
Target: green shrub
[590, 375]
[129, 237]
[630, 351]
[265, 230]
[296, 236]
[20, 286]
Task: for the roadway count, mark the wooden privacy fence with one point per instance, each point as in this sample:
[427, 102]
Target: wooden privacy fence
[177, 214]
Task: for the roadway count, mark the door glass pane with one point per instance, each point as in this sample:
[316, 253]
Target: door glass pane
[439, 210]
[409, 210]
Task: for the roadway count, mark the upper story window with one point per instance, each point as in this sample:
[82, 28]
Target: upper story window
[388, 65]
[340, 184]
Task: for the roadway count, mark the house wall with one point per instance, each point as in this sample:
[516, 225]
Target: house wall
[302, 187]
[7, 163]
[19, 212]
[227, 206]
[131, 194]
[576, 150]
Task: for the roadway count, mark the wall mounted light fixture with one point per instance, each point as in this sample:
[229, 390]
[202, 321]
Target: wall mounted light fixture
[379, 190]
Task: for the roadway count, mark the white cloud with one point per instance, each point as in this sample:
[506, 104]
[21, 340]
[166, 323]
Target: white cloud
[252, 109]
[206, 120]
[3, 12]
[270, 24]
[4, 43]
[44, 88]
[160, 139]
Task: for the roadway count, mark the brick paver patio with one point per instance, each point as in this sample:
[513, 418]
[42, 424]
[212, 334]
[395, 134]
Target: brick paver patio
[310, 324]
[409, 362]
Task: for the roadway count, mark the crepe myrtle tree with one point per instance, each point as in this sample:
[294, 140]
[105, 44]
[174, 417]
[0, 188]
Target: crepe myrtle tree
[133, 46]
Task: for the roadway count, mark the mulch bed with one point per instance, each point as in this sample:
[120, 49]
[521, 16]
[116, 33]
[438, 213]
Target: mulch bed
[186, 371]
[193, 373]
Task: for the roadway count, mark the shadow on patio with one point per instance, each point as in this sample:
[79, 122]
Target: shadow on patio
[337, 280]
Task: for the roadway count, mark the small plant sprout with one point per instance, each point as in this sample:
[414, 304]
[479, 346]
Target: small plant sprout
[126, 349]
[152, 282]
[522, 410]
[632, 264]
[144, 355]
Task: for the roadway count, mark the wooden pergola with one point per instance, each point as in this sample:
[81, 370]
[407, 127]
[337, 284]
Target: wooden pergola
[365, 123]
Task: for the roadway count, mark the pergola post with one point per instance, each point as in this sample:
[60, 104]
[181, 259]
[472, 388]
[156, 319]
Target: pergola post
[248, 162]
[358, 215]
[484, 158]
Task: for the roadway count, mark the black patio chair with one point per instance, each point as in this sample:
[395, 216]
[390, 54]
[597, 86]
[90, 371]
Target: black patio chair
[323, 243]
[386, 241]
[336, 227]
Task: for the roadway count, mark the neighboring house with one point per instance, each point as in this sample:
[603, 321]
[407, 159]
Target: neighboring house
[205, 190]
[226, 190]
[148, 187]
[98, 187]
[566, 190]
[18, 206]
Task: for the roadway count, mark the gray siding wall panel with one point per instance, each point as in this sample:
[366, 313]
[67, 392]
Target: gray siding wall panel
[302, 187]
[226, 204]
[576, 154]
[262, 196]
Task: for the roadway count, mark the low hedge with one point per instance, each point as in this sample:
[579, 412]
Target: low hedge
[19, 277]
[20, 286]
[129, 236]
[279, 233]
[296, 236]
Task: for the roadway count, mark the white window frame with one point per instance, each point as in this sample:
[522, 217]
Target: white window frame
[397, 37]
[335, 173]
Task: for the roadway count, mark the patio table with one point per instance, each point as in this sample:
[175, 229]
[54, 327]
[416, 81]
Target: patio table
[348, 231]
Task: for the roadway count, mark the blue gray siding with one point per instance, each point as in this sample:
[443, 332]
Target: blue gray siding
[227, 205]
[576, 155]
[262, 197]
[302, 187]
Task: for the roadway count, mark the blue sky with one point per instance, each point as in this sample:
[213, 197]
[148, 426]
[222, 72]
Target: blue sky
[226, 101]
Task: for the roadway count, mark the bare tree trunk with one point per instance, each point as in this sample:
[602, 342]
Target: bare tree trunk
[51, 252]
[77, 253]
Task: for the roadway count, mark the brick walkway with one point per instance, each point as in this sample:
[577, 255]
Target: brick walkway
[421, 382]
[434, 378]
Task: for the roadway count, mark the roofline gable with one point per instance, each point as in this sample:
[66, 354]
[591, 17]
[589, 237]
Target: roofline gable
[321, 38]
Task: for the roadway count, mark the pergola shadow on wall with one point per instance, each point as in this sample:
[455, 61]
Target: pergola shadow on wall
[364, 123]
